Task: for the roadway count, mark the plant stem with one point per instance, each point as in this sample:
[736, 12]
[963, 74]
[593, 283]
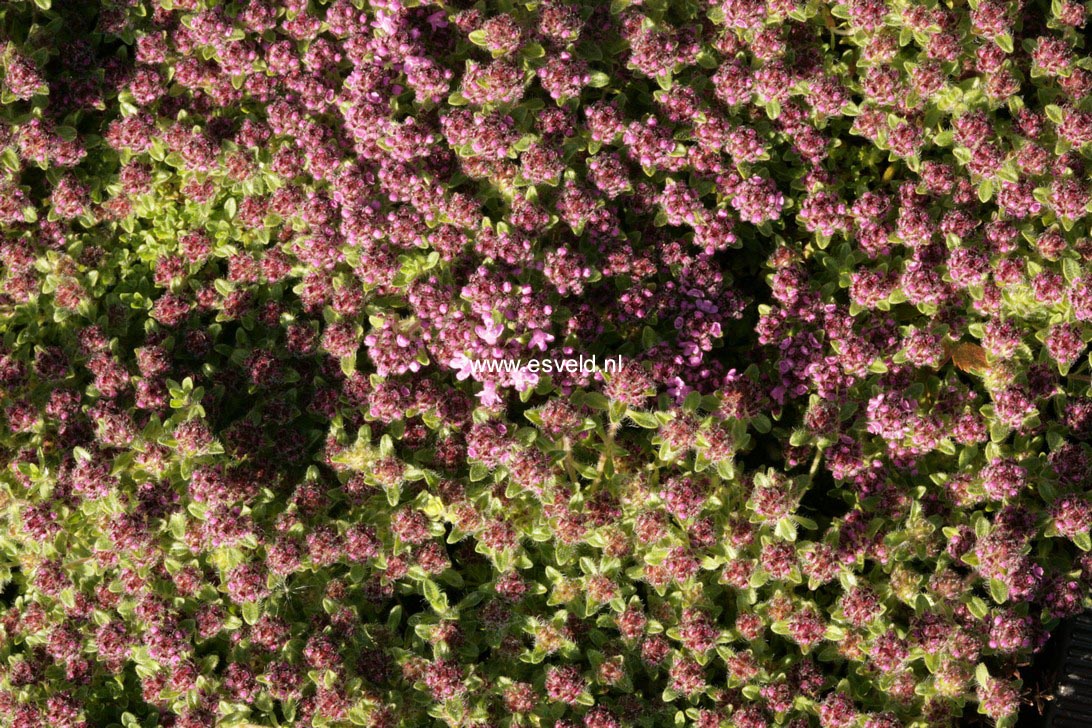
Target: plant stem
[815, 464]
[608, 449]
[570, 468]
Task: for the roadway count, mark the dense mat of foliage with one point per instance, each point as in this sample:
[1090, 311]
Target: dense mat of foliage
[250, 251]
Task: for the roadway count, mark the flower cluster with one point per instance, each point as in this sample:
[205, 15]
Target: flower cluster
[253, 253]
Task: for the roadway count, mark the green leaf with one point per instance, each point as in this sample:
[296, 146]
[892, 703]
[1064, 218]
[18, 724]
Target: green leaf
[644, 419]
[437, 599]
[982, 675]
[597, 401]
[394, 618]
[786, 529]
[762, 424]
[1071, 269]
[252, 612]
[648, 337]
[999, 432]
[999, 591]
[1083, 541]
[981, 525]
[799, 437]
[10, 159]
[985, 190]
[806, 523]
[978, 608]
[598, 79]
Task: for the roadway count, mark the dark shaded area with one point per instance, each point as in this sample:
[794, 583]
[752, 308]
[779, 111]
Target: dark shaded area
[11, 590]
[1057, 683]
[1063, 673]
[123, 698]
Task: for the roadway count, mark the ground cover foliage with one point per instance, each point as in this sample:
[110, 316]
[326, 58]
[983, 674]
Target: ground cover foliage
[250, 252]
